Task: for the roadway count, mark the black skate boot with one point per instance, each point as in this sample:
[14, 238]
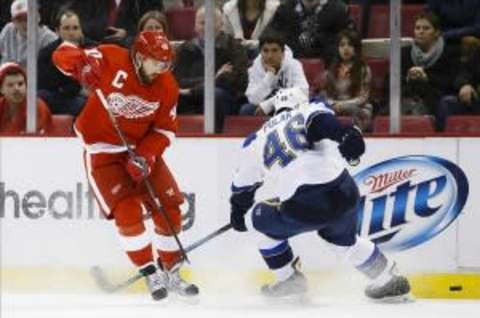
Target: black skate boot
[391, 288]
[156, 282]
[296, 284]
[178, 285]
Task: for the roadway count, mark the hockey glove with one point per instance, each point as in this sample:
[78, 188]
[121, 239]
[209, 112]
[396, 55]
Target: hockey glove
[139, 168]
[89, 71]
[352, 145]
[237, 218]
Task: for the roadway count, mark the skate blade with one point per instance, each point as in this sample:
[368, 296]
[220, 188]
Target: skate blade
[401, 299]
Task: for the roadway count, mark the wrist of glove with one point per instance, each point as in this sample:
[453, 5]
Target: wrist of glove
[140, 167]
[237, 219]
[352, 145]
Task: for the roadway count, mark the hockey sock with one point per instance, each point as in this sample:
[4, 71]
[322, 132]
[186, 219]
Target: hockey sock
[278, 255]
[367, 258]
[133, 236]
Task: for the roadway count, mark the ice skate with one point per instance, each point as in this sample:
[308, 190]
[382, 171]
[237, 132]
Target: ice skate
[392, 288]
[178, 285]
[295, 285]
[156, 282]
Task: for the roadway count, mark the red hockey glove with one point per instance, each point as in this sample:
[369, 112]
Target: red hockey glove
[139, 167]
[89, 71]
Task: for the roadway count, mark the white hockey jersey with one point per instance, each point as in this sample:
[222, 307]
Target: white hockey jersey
[280, 151]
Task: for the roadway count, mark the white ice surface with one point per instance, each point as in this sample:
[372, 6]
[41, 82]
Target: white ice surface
[211, 306]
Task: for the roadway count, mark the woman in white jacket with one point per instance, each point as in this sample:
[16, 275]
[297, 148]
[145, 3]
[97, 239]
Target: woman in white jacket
[273, 69]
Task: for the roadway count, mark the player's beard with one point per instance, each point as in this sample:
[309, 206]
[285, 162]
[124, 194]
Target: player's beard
[144, 78]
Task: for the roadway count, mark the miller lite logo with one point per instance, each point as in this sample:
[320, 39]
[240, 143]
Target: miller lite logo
[408, 200]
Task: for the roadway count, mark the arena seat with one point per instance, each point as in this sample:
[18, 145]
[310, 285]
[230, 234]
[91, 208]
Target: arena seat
[355, 12]
[181, 22]
[463, 124]
[190, 124]
[409, 124]
[314, 69]
[345, 120]
[243, 125]
[379, 68]
[379, 24]
[61, 126]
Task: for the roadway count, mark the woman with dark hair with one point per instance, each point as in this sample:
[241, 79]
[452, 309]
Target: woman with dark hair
[428, 67]
[347, 81]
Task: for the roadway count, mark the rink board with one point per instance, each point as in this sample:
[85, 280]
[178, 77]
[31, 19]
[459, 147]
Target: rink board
[51, 227]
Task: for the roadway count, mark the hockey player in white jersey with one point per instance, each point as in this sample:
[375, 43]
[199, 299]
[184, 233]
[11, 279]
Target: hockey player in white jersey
[304, 148]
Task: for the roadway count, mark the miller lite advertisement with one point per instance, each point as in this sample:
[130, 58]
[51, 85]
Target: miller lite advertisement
[406, 201]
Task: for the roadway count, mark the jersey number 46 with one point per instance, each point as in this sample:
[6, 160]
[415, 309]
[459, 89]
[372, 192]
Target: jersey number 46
[282, 145]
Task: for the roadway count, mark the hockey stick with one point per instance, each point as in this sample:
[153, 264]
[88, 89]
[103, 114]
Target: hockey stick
[107, 286]
[147, 182]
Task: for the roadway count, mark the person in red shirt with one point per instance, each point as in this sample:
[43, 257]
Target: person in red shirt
[13, 104]
[141, 94]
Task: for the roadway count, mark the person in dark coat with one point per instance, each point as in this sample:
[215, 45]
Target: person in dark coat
[310, 27]
[427, 68]
[230, 71]
[63, 94]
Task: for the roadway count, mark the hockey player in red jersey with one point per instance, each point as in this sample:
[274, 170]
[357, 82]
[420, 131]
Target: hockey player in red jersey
[142, 96]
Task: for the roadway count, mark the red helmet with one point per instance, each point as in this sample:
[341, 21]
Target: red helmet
[153, 44]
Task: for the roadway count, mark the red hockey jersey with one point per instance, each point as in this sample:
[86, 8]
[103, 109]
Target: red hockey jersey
[146, 114]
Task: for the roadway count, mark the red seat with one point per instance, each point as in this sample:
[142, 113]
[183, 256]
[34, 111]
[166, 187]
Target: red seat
[243, 125]
[314, 69]
[181, 22]
[409, 124]
[355, 12]
[379, 69]
[345, 120]
[379, 24]
[190, 124]
[62, 126]
[463, 124]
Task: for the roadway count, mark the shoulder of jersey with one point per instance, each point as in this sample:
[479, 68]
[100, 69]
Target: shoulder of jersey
[114, 53]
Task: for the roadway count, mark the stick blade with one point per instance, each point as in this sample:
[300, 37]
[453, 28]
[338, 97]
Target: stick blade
[101, 280]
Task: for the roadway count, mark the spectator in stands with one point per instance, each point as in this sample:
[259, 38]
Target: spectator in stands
[347, 81]
[273, 69]
[467, 100]
[230, 68]
[13, 105]
[153, 21]
[246, 20]
[63, 94]
[427, 68]
[310, 27]
[460, 23]
[13, 38]
[112, 20]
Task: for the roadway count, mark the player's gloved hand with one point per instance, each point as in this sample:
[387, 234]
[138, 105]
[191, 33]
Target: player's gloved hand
[352, 145]
[237, 219]
[89, 71]
[139, 167]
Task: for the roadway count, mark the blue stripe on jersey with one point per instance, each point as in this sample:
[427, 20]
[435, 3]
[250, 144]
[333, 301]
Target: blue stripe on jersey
[248, 140]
